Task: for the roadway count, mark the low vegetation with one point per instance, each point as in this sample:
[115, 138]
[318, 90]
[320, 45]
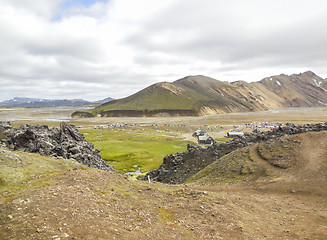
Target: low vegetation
[233, 167]
[279, 152]
[151, 98]
[22, 171]
[244, 195]
[202, 95]
[57, 200]
[127, 151]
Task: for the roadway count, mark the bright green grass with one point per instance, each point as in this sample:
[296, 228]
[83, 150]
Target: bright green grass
[223, 139]
[127, 151]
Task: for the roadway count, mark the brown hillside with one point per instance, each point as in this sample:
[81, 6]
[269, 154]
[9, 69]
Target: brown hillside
[201, 95]
[269, 203]
[298, 90]
[299, 161]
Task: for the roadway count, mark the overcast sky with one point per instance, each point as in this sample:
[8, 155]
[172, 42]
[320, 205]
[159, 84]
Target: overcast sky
[95, 49]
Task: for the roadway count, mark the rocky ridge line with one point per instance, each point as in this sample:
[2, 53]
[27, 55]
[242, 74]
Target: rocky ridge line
[176, 168]
[66, 142]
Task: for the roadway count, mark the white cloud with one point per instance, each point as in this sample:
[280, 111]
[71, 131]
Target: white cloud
[44, 9]
[117, 47]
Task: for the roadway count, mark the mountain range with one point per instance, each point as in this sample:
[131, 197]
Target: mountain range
[201, 95]
[37, 102]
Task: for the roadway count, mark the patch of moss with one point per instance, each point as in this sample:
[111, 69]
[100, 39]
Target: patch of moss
[167, 216]
[21, 171]
[233, 167]
[2, 182]
[127, 151]
[223, 139]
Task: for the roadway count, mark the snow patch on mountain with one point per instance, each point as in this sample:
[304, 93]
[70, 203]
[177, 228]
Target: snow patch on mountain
[318, 83]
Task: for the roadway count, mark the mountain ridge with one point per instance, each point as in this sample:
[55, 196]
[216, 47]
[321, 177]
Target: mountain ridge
[202, 95]
[40, 102]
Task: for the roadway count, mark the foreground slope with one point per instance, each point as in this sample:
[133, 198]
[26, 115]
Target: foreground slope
[177, 168]
[299, 160]
[267, 202]
[73, 203]
[200, 95]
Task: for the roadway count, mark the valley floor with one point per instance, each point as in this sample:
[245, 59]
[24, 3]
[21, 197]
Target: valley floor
[44, 198]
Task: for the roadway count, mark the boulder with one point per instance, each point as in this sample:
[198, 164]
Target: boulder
[66, 142]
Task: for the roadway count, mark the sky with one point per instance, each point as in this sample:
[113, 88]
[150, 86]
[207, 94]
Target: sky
[93, 49]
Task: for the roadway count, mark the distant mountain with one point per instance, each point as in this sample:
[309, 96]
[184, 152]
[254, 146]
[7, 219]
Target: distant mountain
[200, 95]
[108, 99]
[37, 102]
[298, 90]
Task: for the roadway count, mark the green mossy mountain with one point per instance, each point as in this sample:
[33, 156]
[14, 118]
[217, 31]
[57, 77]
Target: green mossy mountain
[200, 95]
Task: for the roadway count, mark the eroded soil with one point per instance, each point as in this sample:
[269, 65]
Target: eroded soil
[92, 204]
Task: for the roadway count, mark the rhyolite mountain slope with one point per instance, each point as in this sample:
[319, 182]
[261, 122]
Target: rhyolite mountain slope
[200, 95]
[298, 90]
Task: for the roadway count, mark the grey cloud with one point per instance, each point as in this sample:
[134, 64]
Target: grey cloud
[216, 38]
[218, 35]
[85, 49]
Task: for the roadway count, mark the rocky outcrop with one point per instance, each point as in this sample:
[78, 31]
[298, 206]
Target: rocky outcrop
[148, 113]
[79, 114]
[176, 168]
[66, 142]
